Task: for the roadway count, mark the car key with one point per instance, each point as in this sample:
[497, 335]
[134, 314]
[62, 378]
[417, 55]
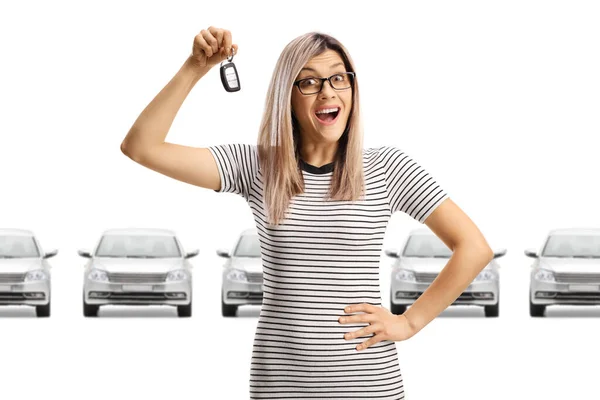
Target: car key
[229, 75]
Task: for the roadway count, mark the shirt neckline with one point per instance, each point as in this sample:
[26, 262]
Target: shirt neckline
[323, 169]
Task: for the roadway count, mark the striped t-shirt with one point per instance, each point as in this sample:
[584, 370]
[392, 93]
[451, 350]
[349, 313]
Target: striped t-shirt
[322, 257]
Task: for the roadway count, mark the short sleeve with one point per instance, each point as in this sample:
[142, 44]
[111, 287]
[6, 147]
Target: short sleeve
[237, 164]
[409, 187]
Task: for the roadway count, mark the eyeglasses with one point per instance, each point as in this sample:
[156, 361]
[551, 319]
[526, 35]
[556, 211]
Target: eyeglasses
[339, 81]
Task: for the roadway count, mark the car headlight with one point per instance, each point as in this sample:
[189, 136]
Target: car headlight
[406, 275]
[485, 275]
[544, 275]
[98, 275]
[177, 275]
[35, 275]
[237, 275]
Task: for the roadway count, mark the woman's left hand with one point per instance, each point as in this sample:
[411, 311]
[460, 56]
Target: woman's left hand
[384, 324]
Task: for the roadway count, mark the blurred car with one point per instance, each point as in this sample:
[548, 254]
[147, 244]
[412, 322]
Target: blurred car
[242, 274]
[137, 267]
[422, 258]
[24, 271]
[566, 270]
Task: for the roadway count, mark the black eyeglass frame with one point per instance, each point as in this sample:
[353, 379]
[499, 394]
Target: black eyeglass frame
[350, 73]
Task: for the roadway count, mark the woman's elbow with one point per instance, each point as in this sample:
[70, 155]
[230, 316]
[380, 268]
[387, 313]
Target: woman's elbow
[481, 249]
[129, 150]
[124, 148]
[486, 252]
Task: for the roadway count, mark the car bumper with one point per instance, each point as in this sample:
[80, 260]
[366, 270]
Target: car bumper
[168, 293]
[240, 293]
[482, 293]
[34, 293]
[548, 293]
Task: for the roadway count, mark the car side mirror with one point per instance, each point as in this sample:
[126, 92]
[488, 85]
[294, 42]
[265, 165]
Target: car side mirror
[395, 253]
[499, 253]
[84, 253]
[531, 253]
[223, 253]
[192, 253]
[51, 253]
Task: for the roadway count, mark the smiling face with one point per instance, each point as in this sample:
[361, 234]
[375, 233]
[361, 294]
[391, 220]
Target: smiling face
[322, 116]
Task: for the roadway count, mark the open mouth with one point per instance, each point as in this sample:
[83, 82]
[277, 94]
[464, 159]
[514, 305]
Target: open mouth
[328, 115]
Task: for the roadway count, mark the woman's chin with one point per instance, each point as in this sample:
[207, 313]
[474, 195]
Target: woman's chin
[329, 134]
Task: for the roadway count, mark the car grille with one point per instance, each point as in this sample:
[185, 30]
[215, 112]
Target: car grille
[577, 296]
[128, 277]
[569, 277]
[140, 296]
[8, 297]
[12, 277]
[255, 277]
[426, 277]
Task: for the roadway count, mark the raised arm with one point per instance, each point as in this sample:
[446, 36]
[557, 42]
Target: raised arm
[145, 142]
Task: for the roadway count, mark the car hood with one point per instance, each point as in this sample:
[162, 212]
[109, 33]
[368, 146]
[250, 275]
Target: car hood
[249, 264]
[576, 265]
[148, 265]
[19, 265]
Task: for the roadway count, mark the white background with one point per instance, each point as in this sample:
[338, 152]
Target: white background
[498, 100]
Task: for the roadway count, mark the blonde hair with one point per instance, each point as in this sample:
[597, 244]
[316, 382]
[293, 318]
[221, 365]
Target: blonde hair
[279, 137]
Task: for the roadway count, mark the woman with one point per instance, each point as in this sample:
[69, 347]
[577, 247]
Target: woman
[321, 205]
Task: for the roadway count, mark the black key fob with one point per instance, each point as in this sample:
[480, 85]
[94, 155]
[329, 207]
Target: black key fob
[229, 75]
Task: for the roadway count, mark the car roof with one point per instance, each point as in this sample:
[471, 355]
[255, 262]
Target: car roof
[139, 231]
[575, 231]
[16, 232]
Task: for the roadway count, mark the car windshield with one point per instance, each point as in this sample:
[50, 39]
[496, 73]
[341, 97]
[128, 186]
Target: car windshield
[426, 246]
[247, 246]
[138, 246]
[18, 246]
[581, 246]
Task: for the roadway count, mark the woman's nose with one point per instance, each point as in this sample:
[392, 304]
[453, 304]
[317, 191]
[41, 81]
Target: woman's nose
[327, 90]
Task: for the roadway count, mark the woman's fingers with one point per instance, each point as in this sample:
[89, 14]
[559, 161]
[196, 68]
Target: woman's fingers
[210, 39]
[369, 342]
[202, 44]
[367, 330]
[212, 46]
[218, 35]
[227, 41]
[350, 319]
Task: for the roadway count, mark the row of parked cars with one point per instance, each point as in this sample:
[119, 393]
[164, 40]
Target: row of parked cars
[565, 271]
[149, 267]
[126, 267]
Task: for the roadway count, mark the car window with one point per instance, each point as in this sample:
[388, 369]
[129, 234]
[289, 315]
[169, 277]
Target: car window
[247, 246]
[572, 246]
[17, 246]
[143, 246]
[426, 246]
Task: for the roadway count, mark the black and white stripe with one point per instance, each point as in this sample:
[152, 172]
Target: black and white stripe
[322, 257]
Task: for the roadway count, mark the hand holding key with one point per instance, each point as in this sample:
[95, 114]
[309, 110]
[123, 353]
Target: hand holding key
[211, 46]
